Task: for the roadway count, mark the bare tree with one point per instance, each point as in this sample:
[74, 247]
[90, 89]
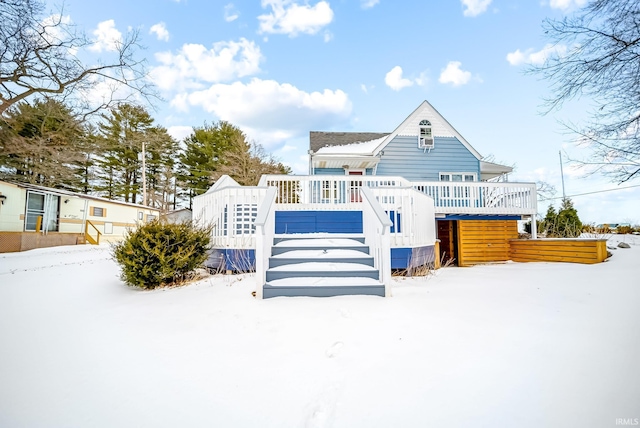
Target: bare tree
[598, 56]
[40, 55]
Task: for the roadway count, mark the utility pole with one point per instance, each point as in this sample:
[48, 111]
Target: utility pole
[564, 196]
[144, 177]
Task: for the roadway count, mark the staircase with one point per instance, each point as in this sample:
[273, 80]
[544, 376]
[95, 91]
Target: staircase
[321, 265]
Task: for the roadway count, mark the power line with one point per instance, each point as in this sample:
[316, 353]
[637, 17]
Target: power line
[591, 193]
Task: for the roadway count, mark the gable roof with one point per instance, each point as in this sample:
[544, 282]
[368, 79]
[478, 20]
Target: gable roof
[318, 140]
[440, 127]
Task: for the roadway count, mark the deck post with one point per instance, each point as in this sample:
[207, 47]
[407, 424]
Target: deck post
[534, 227]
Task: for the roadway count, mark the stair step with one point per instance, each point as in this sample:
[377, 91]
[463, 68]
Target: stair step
[321, 269]
[319, 244]
[323, 287]
[320, 255]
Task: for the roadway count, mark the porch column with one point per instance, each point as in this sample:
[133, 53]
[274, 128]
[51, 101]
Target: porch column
[534, 227]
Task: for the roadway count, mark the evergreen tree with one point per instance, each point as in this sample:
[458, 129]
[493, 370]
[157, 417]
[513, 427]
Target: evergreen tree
[568, 222]
[42, 144]
[201, 156]
[549, 221]
[123, 132]
[160, 168]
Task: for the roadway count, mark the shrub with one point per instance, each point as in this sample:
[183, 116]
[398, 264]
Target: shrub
[624, 230]
[160, 253]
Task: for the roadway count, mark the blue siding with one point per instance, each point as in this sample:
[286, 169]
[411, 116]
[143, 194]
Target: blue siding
[480, 217]
[318, 221]
[403, 158]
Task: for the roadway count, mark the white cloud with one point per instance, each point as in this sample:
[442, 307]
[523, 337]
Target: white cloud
[194, 64]
[180, 132]
[230, 13]
[368, 4]
[537, 58]
[269, 111]
[475, 7]
[394, 79]
[288, 17]
[160, 30]
[566, 4]
[328, 36]
[364, 88]
[453, 74]
[107, 37]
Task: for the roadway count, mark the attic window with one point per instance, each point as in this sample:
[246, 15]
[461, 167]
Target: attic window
[425, 137]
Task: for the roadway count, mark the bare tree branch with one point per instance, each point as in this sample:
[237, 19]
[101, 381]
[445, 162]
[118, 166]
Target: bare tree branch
[602, 62]
[39, 56]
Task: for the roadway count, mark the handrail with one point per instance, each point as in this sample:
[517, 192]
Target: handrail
[265, 223]
[376, 225]
[88, 236]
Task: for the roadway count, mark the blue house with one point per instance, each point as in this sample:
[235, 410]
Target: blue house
[372, 203]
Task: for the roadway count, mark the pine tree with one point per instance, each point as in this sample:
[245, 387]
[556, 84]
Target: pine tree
[549, 222]
[201, 157]
[568, 222]
[42, 144]
[124, 130]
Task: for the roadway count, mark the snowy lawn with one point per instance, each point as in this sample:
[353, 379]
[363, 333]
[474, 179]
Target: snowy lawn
[510, 345]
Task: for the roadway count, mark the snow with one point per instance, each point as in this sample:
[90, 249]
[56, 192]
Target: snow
[359, 148]
[324, 282]
[526, 345]
[321, 254]
[319, 266]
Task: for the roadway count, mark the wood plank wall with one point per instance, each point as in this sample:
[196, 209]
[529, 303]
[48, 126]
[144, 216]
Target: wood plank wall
[559, 250]
[485, 241]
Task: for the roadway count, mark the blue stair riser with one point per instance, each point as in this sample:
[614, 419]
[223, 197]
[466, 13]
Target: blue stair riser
[282, 274]
[293, 239]
[280, 250]
[269, 291]
[281, 261]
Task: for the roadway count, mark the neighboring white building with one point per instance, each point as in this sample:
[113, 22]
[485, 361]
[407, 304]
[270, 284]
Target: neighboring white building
[35, 216]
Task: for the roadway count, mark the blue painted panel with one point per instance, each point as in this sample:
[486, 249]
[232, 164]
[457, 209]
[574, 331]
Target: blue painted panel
[402, 157]
[240, 260]
[480, 217]
[328, 171]
[318, 221]
[400, 258]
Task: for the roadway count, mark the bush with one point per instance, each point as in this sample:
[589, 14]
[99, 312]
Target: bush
[159, 253]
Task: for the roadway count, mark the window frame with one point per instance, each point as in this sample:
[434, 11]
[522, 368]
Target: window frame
[425, 126]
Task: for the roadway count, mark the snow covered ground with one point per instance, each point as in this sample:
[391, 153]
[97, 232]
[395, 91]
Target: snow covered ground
[509, 345]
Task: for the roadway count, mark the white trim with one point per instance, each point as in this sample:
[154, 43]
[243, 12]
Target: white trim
[433, 113]
[451, 174]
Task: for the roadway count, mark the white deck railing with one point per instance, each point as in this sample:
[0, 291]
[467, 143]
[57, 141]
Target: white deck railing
[376, 226]
[412, 215]
[338, 192]
[411, 206]
[231, 211]
[265, 223]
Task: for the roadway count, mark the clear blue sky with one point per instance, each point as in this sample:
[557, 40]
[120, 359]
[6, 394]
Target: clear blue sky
[281, 68]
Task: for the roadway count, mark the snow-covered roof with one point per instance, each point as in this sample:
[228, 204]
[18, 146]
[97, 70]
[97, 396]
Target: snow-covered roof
[361, 148]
